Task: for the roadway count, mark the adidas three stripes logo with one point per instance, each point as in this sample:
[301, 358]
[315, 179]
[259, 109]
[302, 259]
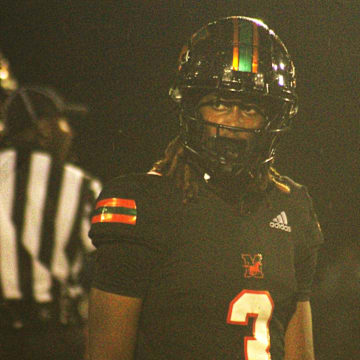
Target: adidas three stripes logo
[280, 222]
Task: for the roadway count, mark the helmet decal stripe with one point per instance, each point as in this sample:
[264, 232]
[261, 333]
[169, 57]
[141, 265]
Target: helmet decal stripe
[236, 45]
[245, 50]
[255, 59]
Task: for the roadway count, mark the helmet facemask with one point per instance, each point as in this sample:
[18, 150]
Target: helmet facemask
[224, 150]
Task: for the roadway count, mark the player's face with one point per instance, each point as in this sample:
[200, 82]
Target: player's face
[231, 112]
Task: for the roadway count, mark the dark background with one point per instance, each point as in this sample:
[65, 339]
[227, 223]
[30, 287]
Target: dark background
[118, 57]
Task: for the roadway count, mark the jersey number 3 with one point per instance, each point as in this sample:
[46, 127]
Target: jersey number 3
[259, 305]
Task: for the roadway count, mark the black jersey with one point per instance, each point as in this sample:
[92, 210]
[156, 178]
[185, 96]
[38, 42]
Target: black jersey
[215, 284]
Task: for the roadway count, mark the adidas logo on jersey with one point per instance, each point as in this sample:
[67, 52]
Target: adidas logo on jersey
[280, 222]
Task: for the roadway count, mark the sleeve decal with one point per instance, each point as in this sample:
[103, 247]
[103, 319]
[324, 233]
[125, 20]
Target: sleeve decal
[116, 211]
[115, 202]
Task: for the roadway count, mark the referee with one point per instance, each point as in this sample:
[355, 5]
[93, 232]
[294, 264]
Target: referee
[45, 202]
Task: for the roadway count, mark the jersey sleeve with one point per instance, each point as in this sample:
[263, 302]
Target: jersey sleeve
[123, 267]
[127, 230]
[306, 250]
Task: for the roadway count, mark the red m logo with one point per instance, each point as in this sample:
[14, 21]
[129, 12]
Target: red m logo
[252, 265]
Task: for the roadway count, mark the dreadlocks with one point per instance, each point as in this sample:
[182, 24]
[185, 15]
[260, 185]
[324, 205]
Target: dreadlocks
[175, 165]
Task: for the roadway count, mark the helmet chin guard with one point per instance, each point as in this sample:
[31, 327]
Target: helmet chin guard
[237, 57]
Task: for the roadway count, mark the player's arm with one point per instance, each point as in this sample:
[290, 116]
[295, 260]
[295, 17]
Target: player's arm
[299, 337]
[113, 322]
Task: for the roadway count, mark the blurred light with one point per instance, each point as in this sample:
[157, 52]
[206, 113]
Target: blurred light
[7, 80]
[4, 74]
[64, 125]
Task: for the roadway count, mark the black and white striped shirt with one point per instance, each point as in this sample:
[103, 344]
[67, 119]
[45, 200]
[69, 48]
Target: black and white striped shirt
[44, 223]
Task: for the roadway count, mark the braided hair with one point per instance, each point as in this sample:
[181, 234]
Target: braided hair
[175, 165]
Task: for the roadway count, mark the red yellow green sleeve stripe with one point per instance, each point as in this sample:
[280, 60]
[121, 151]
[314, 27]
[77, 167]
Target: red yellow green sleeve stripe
[115, 210]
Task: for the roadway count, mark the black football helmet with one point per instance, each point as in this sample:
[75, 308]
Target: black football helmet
[235, 57]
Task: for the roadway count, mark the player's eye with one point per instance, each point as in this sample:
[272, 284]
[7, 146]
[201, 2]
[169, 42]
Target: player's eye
[253, 108]
[219, 105]
[250, 107]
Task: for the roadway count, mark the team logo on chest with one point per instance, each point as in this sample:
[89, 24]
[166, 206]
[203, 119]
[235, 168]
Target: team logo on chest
[253, 266]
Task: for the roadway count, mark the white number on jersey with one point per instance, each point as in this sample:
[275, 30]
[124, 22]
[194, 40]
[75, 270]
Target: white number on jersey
[259, 305]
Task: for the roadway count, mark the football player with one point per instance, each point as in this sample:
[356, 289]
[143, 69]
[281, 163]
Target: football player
[211, 254]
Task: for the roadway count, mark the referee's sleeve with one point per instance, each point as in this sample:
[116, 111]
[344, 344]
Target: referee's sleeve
[92, 191]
